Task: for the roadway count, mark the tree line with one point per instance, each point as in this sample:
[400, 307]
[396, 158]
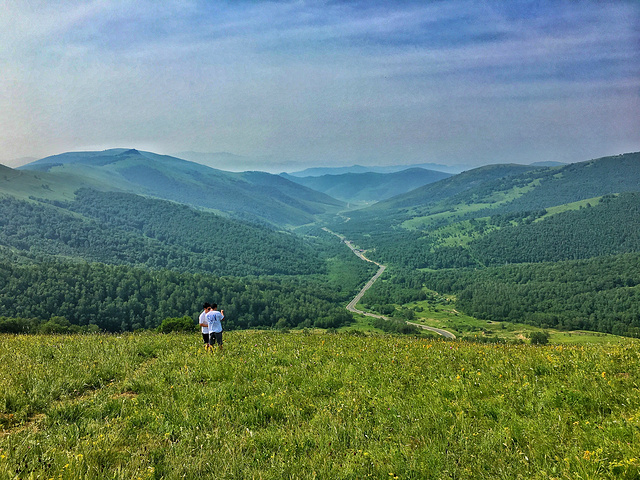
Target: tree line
[127, 229]
[121, 298]
[600, 294]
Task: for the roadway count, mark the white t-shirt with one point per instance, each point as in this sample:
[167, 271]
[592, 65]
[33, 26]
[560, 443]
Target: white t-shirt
[214, 318]
[203, 319]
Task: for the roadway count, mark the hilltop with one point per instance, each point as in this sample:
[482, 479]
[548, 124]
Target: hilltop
[254, 196]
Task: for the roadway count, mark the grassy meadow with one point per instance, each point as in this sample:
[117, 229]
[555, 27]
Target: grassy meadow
[316, 405]
[466, 326]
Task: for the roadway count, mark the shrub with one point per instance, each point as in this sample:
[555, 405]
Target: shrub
[18, 325]
[182, 324]
[539, 338]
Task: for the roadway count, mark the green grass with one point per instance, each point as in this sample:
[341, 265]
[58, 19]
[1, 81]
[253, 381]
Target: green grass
[315, 405]
[444, 315]
[420, 221]
[568, 207]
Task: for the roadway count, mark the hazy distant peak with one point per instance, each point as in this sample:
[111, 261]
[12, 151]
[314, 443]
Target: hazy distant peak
[130, 152]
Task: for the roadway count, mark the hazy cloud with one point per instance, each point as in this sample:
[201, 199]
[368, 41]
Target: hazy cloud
[323, 82]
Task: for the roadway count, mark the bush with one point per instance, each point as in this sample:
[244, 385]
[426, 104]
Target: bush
[396, 326]
[182, 324]
[58, 325]
[539, 338]
[18, 325]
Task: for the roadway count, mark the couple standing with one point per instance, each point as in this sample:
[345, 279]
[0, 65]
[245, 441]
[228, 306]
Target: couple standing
[211, 323]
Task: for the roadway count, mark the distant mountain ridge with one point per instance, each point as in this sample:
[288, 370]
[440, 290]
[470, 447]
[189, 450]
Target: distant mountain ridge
[369, 186]
[254, 196]
[320, 171]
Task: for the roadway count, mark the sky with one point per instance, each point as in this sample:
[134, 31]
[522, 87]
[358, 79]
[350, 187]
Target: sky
[292, 84]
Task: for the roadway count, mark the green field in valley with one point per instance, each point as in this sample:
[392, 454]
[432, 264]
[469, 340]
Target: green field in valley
[312, 404]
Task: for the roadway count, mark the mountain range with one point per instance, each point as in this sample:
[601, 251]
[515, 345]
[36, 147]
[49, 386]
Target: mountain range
[509, 225]
[369, 187]
[254, 196]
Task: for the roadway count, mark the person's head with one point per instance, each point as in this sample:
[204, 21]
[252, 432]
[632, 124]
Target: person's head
[214, 306]
[206, 306]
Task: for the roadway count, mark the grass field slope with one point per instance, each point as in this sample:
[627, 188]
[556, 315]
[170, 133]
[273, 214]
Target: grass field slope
[276, 406]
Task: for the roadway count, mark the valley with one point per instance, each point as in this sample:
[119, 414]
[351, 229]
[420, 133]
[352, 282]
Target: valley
[541, 236]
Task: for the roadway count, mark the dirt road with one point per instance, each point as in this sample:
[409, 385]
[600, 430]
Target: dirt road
[352, 304]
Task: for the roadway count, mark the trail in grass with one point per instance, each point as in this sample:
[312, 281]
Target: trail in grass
[381, 268]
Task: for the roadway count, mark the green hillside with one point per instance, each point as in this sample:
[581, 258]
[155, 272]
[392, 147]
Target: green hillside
[605, 226]
[598, 294]
[122, 298]
[537, 217]
[24, 184]
[252, 196]
[447, 207]
[503, 189]
[122, 228]
[452, 186]
[369, 186]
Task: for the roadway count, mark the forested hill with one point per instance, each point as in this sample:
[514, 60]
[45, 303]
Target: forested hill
[121, 298]
[607, 225]
[369, 186]
[122, 228]
[497, 189]
[449, 187]
[252, 196]
[577, 181]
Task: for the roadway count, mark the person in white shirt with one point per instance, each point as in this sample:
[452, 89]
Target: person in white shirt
[204, 324]
[214, 318]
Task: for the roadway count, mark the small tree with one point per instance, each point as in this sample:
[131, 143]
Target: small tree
[58, 325]
[539, 338]
[182, 324]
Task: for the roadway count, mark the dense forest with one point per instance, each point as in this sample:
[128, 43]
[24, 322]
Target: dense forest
[127, 229]
[600, 294]
[608, 227]
[120, 298]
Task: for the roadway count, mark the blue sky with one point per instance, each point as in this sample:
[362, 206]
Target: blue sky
[288, 84]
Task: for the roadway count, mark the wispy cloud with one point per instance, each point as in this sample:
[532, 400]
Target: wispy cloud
[456, 81]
